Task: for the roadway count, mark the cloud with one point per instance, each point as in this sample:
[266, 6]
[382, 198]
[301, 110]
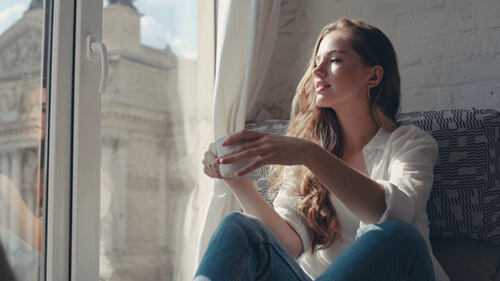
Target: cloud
[179, 47]
[153, 33]
[192, 55]
[177, 42]
[10, 15]
[158, 3]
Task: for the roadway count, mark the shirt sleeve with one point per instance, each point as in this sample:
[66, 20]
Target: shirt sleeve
[411, 173]
[286, 206]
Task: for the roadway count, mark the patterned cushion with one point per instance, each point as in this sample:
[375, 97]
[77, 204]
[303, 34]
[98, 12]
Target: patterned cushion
[465, 200]
[261, 180]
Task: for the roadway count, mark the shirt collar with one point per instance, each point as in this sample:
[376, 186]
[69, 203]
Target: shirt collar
[379, 141]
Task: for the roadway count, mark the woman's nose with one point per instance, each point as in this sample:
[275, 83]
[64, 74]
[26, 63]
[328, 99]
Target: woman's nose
[34, 113]
[318, 71]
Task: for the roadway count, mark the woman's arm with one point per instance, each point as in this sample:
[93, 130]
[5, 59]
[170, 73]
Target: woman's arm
[254, 204]
[25, 221]
[364, 197]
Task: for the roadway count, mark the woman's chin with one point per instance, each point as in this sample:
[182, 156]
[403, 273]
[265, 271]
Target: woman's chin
[321, 102]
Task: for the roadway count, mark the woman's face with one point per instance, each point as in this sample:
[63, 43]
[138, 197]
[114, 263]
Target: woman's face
[34, 114]
[341, 79]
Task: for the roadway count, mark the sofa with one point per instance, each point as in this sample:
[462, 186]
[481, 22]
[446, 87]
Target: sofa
[464, 205]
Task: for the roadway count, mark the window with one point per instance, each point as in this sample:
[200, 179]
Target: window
[22, 134]
[149, 129]
[112, 185]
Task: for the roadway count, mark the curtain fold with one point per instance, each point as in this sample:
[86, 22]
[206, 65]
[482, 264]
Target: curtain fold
[246, 35]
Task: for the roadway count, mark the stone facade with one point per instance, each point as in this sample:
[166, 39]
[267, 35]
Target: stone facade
[20, 118]
[143, 136]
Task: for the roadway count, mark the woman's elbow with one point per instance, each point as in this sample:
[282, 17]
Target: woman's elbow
[294, 246]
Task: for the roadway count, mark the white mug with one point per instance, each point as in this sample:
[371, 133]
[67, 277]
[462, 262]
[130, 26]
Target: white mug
[229, 170]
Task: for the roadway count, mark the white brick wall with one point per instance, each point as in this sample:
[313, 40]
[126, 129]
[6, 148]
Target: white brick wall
[449, 51]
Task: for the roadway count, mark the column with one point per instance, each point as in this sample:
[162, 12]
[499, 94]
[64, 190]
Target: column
[30, 177]
[7, 164]
[15, 172]
[15, 191]
[162, 196]
[107, 191]
[4, 162]
[120, 206]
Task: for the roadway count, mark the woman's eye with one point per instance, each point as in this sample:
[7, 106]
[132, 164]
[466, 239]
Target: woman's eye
[334, 60]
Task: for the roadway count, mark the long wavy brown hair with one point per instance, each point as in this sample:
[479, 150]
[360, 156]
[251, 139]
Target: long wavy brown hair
[320, 125]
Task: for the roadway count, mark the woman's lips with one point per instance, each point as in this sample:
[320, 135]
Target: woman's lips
[320, 86]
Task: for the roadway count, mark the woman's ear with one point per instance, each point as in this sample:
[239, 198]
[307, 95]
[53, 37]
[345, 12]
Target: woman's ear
[377, 72]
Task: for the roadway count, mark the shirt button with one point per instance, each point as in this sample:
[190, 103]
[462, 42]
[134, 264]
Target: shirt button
[369, 147]
[370, 156]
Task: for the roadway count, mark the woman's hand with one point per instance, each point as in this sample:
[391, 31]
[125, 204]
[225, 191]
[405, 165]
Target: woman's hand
[211, 166]
[251, 201]
[268, 148]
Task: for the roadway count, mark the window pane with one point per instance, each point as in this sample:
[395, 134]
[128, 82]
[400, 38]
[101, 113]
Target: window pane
[22, 131]
[150, 120]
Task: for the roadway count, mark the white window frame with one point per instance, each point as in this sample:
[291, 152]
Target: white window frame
[86, 145]
[73, 174]
[59, 101]
[73, 137]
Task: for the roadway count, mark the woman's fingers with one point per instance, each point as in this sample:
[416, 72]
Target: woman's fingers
[242, 153]
[266, 148]
[261, 146]
[209, 158]
[210, 165]
[251, 167]
[212, 171]
[213, 149]
[242, 135]
[270, 149]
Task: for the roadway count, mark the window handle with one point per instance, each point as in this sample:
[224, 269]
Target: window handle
[97, 49]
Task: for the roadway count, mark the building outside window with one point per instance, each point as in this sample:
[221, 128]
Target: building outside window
[150, 116]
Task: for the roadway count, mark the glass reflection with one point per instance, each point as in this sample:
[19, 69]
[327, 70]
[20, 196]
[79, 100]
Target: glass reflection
[148, 128]
[22, 133]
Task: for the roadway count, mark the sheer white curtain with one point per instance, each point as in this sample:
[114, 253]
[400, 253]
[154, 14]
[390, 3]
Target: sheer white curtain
[246, 33]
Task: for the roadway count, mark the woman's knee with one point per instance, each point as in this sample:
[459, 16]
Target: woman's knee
[403, 229]
[393, 231]
[387, 227]
[235, 219]
[399, 227]
[238, 229]
[238, 222]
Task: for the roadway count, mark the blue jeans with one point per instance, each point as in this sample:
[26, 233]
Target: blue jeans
[22, 257]
[243, 248]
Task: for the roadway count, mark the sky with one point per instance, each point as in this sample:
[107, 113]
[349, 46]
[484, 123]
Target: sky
[171, 22]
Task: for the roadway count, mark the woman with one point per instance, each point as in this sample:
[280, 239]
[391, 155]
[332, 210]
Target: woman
[353, 185]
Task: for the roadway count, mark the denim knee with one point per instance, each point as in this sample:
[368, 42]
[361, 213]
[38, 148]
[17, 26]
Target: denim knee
[234, 218]
[388, 227]
[244, 248]
[403, 229]
[395, 231]
[240, 224]
[236, 221]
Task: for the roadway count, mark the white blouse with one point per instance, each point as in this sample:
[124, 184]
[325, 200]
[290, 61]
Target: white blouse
[403, 162]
